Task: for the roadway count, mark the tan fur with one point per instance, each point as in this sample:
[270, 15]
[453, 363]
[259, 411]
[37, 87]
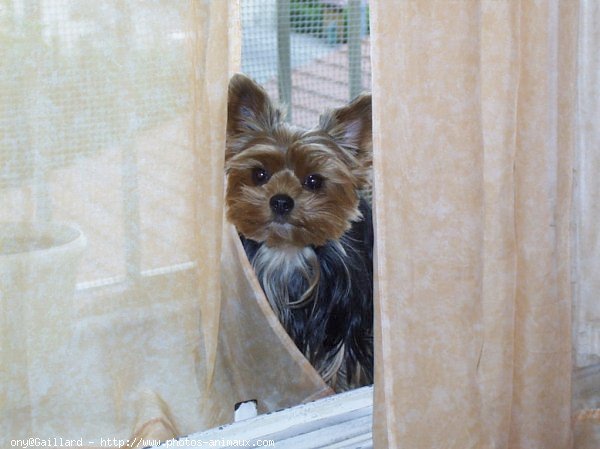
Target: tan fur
[339, 151]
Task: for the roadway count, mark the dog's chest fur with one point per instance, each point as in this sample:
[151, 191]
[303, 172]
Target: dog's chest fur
[323, 297]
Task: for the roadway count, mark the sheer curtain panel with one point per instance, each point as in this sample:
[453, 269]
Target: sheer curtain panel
[112, 128]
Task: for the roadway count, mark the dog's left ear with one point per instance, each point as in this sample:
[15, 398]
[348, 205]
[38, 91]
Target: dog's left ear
[352, 128]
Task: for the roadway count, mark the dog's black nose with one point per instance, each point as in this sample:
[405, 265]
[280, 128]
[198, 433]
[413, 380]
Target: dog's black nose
[281, 204]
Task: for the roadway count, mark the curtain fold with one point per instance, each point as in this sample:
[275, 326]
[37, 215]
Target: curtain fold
[586, 245]
[473, 117]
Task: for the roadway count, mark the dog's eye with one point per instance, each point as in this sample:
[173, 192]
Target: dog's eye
[259, 176]
[313, 182]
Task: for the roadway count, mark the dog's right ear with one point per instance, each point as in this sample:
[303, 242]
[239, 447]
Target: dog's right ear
[249, 112]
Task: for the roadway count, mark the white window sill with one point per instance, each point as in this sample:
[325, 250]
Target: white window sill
[340, 421]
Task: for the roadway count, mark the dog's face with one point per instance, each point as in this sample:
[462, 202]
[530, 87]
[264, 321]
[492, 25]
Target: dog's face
[292, 187]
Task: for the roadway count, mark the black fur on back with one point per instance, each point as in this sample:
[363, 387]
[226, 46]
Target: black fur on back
[339, 316]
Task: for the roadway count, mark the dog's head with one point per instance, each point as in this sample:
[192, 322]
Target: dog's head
[293, 187]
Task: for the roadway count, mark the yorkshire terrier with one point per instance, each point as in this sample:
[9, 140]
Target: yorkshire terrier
[294, 196]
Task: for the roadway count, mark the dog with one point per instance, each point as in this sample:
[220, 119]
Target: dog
[294, 196]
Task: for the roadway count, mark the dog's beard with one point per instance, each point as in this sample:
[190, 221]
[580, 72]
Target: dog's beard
[289, 277]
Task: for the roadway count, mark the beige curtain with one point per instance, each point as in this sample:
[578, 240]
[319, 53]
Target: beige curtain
[474, 115]
[112, 323]
[127, 307]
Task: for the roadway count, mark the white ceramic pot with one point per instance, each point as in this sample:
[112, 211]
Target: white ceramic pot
[38, 271]
[38, 261]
